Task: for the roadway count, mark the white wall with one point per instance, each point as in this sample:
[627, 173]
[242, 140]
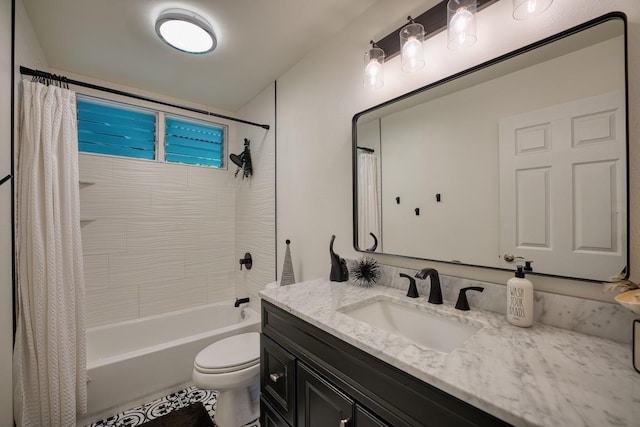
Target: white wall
[6, 317]
[319, 96]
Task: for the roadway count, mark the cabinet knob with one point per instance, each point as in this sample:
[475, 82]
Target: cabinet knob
[344, 422]
[276, 376]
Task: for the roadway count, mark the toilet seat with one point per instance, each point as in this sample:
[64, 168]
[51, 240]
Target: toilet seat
[229, 354]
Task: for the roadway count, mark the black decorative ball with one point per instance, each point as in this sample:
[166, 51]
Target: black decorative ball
[365, 272]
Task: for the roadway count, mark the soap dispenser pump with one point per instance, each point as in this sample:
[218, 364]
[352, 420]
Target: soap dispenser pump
[520, 299]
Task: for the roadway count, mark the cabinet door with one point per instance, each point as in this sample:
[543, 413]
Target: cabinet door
[366, 419]
[319, 403]
[269, 417]
[277, 378]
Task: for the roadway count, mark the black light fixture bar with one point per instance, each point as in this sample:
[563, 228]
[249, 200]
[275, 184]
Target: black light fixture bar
[433, 20]
[29, 72]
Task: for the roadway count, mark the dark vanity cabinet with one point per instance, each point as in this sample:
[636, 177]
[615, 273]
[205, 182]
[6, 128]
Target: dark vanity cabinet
[309, 378]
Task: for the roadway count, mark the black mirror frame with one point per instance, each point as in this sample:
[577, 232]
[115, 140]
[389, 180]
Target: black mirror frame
[591, 23]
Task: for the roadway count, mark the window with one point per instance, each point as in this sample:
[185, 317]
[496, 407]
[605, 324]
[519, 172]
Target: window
[193, 142]
[116, 129]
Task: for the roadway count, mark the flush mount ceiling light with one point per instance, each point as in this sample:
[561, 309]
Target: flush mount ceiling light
[525, 9]
[186, 31]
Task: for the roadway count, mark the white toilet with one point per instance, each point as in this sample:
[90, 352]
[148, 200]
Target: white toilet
[231, 366]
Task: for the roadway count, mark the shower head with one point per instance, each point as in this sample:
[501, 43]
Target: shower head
[239, 159]
[243, 161]
[236, 159]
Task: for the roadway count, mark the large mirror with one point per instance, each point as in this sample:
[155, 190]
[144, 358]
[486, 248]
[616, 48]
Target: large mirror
[521, 158]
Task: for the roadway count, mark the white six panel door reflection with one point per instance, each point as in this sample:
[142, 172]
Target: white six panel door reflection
[563, 187]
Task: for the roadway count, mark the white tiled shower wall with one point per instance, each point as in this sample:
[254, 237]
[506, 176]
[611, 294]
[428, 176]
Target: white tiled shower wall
[255, 199]
[159, 237]
[156, 237]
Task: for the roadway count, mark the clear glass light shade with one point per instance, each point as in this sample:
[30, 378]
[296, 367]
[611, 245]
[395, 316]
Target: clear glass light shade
[525, 9]
[185, 31]
[411, 51]
[373, 76]
[461, 24]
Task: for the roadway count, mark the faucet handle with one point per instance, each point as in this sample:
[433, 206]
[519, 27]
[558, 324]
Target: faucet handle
[413, 290]
[247, 261]
[462, 303]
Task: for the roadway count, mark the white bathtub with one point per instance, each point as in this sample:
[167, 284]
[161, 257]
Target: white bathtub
[136, 361]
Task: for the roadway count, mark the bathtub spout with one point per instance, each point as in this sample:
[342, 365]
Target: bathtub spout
[240, 301]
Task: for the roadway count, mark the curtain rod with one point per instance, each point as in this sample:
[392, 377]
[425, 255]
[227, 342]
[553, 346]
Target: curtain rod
[37, 73]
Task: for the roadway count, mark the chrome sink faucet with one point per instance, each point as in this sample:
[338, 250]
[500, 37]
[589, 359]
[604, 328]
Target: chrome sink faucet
[435, 293]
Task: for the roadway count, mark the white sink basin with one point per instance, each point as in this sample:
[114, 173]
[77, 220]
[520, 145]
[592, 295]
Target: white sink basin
[427, 329]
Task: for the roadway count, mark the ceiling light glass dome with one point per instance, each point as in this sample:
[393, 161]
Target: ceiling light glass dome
[186, 31]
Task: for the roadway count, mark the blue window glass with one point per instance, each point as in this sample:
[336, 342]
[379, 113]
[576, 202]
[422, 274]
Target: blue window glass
[107, 128]
[194, 142]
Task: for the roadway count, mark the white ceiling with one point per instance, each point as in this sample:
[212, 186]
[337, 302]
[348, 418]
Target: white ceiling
[258, 40]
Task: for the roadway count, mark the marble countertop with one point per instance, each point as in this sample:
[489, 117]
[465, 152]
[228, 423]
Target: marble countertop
[537, 376]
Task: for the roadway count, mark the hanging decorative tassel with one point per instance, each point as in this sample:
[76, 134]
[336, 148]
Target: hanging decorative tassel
[288, 277]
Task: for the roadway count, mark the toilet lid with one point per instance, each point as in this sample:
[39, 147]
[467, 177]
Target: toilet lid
[230, 354]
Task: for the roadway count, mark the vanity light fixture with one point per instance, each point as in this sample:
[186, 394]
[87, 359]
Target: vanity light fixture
[412, 36]
[412, 53]
[372, 75]
[525, 9]
[186, 31]
[461, 24]
[433, 22]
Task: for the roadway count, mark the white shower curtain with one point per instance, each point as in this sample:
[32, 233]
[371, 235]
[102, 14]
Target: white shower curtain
[368, 201]
[49, 361]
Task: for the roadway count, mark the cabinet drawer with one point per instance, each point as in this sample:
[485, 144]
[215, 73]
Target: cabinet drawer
[277, 378]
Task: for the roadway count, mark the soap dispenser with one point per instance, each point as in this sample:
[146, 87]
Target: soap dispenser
[520, 299]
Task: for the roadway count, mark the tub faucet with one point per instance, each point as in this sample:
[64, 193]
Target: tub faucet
[435, 293]
[240, 301]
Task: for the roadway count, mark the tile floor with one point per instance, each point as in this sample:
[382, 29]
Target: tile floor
[159, 407]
